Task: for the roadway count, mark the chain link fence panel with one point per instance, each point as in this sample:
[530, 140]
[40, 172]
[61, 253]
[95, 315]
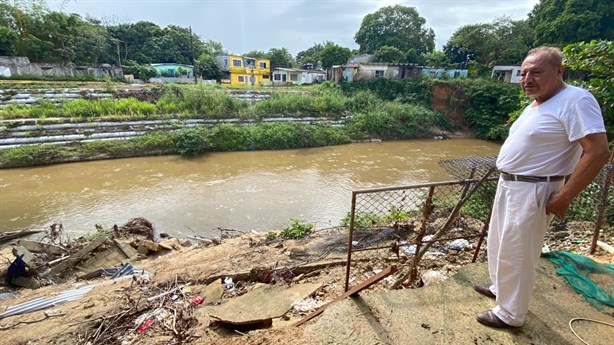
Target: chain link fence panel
[430, 230]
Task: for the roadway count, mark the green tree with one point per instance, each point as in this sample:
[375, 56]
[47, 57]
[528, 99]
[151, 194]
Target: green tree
[214, 48]
[93, 43]
[313, 54]
[412, 56]
[595, 58]
[334, 55]
[502, 41]
[280, 57]
[435, 58]
[389, 54]
[8, 40]
[208, 67]
[561, 22]
[257, 54]
[395, 26]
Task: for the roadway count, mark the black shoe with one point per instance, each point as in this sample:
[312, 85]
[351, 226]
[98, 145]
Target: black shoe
[484, 290]
[489, 318]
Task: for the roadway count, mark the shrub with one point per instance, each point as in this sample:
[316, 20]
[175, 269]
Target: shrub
[394, 121]
[270, 236]
[361, 220]
[327, 103]
[297, 229]
[416, 91]
[230, 138]
[191, 141]
[489, 104]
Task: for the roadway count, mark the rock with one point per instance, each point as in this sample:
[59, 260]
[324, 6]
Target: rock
[28, 258]
[561, 234]
[150, 246]
[27, 282]
[170, 244]
[212, 293]
[142, 250]
[298, 253]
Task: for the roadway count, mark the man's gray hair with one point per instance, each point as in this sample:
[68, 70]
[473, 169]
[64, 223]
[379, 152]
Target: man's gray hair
[554, 54]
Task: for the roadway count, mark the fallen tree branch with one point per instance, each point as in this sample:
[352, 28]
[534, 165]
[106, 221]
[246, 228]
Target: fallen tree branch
[47, 316]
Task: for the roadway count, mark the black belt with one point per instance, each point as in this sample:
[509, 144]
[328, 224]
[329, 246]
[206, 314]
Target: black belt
[525, 178]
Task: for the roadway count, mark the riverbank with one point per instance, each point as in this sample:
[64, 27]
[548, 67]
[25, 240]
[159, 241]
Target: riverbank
[115, 310]
[188, 120]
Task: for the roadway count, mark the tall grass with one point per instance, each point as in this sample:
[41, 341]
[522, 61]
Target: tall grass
[394, 121]
[328, 103]
[126, 107]
[200, 101]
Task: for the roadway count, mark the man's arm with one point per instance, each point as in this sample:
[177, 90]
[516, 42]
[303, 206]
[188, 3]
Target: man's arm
[595, 155]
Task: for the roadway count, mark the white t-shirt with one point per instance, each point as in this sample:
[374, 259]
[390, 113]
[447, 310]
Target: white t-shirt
[543, 140]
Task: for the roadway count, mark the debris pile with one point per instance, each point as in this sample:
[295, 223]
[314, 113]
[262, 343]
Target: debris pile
[234, 285]
[54, 259]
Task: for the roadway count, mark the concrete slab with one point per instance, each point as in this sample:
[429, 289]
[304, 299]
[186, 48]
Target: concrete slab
[261, 304]
[445, 313]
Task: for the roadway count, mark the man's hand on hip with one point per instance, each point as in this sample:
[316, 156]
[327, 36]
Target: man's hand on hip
[557, 205]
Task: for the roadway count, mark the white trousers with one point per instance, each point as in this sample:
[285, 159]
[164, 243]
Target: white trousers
[515, 238]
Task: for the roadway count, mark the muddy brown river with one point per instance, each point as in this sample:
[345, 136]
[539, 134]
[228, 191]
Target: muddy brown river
[256, 190]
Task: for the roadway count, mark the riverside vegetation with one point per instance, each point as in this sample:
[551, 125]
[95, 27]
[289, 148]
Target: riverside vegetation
[377, 109]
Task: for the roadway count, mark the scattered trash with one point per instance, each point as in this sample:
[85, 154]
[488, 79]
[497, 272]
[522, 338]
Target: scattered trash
[144, 326]
[390, 280]
[7, 295]
[459, 244]
[228, 284]
[125, 270]
[16, 269]
[431, 277]
[167, 292]
[197, 300]
[409, 249]
[43, 303]
[306, 305]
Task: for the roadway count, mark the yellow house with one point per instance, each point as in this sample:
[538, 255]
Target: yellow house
[243, 70]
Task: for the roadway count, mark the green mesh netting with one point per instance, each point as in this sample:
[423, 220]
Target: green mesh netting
[576, 269]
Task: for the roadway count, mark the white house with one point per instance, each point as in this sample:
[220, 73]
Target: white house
[507, 73]
[295, 76]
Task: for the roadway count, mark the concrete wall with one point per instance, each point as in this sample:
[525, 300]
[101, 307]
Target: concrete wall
[19, 66]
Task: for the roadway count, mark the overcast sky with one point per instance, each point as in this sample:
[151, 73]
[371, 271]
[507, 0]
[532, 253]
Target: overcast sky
[245, 25]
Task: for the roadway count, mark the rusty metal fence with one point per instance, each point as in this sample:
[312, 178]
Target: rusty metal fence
[429, 230]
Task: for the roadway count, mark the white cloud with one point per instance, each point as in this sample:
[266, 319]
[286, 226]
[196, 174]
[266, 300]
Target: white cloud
[245, 25]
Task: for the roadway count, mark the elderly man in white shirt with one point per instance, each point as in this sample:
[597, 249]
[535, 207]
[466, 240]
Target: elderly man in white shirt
[561, 133]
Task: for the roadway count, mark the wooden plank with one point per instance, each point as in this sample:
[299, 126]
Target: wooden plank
[75, 258]
[383, 274]
[127, 249]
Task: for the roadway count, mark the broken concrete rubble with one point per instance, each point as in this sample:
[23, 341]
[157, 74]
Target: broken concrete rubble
[259, 306]
[41, 247]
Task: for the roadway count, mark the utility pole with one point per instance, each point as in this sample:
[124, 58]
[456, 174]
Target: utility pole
[194, 69]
